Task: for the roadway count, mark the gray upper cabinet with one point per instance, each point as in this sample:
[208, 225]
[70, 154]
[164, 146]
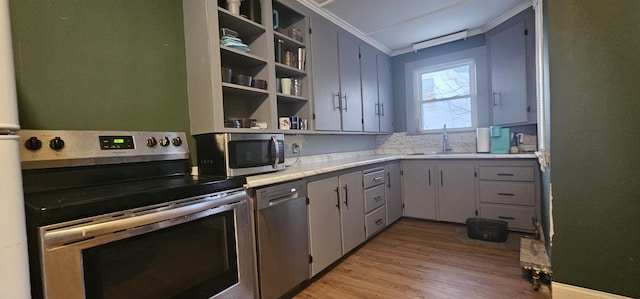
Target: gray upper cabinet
[507, 54]
[511, 53]
[377, 105]
[385, 93]
[337, 89]
[326, 82]
[369, 77]
[350, 92]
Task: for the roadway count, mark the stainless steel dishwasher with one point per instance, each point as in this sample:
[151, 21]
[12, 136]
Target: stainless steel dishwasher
[283, 237]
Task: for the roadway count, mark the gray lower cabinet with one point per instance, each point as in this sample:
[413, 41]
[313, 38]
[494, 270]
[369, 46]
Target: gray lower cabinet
[509, 191]
[393, 191]
[374, 200]
[456, 191]
[336, 218]
[419, 189]
[442, 190]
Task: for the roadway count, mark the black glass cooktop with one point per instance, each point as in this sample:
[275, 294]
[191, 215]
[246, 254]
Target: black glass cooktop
[75, 193]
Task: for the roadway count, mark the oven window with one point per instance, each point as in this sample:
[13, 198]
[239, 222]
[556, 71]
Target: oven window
[196, 259]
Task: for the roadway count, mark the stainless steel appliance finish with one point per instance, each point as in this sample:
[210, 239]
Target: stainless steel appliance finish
[233, 154]
[282, 237]
[65, 148]
[118, 215]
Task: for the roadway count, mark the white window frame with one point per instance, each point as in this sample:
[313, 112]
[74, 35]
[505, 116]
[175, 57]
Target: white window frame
[417, 83]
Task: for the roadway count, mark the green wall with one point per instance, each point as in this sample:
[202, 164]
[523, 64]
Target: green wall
[100, 65]
[594, 65]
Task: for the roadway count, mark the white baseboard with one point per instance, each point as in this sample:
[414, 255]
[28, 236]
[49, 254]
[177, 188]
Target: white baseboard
[567, 291]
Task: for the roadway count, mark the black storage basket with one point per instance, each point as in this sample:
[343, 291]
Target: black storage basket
[487, 229]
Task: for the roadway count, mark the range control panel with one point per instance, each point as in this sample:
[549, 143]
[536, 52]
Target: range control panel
[64, 148]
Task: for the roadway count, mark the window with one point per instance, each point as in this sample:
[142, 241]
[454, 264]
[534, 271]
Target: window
[446, 95]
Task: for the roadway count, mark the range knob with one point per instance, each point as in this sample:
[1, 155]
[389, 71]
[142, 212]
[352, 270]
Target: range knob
[176, 141]
[56, 143]
[164, 141]
[33, 144]
[151, 142]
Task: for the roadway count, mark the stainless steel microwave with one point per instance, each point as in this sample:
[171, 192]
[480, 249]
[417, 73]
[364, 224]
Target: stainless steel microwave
[239, 154]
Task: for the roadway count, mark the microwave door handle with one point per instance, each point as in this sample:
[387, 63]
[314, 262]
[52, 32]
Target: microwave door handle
[277, 151]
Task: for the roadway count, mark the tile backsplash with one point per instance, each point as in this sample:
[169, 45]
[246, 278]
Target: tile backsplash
[403, 143]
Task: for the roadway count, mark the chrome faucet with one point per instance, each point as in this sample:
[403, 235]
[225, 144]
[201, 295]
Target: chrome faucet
[446, 147]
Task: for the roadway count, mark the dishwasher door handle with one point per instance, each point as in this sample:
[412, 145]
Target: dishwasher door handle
[279, 201]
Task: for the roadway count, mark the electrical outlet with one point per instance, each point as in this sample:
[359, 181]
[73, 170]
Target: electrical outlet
[295, 148]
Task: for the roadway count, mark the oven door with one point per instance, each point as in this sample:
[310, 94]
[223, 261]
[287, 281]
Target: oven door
[192, 248]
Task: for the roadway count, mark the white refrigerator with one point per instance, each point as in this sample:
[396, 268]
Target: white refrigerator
[14, 265]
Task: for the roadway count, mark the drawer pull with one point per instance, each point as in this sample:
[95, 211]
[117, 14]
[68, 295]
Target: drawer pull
[505, 174]
[377, 198]
[379, 221]
[506, 218]
[506, 194]
[377, 179]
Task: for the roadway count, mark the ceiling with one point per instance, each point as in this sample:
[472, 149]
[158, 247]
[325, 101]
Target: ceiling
[393, 26]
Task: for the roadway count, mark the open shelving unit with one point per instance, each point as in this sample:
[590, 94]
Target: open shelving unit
[212, 101]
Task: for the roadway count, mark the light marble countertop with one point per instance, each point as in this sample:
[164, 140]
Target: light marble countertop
[303, 170]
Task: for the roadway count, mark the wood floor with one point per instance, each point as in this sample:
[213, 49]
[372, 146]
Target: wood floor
[421, 259]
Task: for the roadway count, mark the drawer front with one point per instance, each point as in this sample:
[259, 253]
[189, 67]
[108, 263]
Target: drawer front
[373, 179]
[518, 218]
[375, 221]
[373, 198]
[506, 173]
[514, 193]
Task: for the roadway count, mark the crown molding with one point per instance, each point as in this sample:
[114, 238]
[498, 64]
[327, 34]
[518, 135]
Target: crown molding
[364, 37]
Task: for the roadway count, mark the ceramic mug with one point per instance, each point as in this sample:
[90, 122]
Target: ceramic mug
[294, 123]
[276, 19]
[283, 123]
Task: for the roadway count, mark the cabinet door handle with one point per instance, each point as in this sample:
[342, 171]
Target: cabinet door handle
[506, 194]
[505, 174]
[344, 97]
[496, 96]
[337, 198]
[377, 108]
[336, 101]
[506, 218]
[388, 180]
[441, 179]
[382, 108]
[429, 177]
[346, 195]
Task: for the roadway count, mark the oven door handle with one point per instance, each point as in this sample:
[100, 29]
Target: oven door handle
[276, 149]
[74, 234]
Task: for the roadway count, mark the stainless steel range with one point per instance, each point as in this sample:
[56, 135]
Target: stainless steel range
[118, 215]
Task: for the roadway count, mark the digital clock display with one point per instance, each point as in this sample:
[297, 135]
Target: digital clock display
[116, 142]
